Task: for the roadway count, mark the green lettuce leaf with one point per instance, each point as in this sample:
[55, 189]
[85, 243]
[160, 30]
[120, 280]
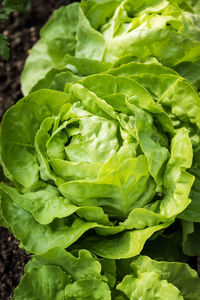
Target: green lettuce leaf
[60, 30]
[59, 275]
[151, 279]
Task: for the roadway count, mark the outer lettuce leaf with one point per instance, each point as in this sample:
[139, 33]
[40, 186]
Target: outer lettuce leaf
[18, 149]
[38, 238]
[89, 37]
[58, 274]
[46, 282]
[128, 244]
[160, 280]
[45, 203]
[60, 30]
[56, 50]
[149, 286]
[35, 237]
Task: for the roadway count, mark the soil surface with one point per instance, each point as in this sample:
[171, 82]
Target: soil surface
[12, 262]
[22, 30]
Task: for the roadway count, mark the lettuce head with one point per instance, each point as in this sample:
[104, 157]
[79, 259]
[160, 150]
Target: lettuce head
[103, 165]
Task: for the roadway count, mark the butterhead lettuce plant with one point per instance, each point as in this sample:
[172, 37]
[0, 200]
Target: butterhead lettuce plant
[105, 161]
[109, 29]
